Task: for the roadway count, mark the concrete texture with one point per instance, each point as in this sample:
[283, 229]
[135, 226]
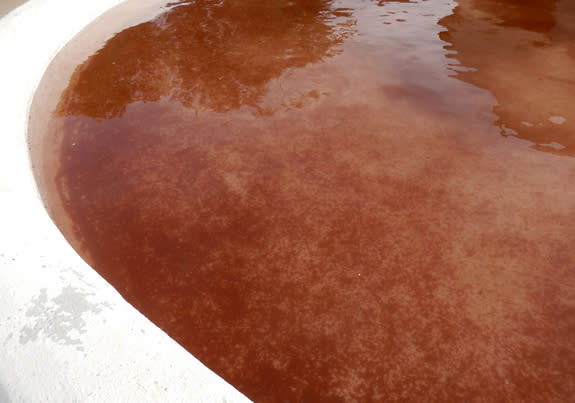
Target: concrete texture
[66, 335]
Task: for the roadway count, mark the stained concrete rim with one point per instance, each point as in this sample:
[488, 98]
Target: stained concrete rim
[67, 335]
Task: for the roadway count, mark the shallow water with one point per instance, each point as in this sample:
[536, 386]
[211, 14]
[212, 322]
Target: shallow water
[335, 200]
[8, 5]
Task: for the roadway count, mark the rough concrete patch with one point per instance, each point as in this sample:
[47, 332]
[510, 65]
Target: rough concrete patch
[59, 319]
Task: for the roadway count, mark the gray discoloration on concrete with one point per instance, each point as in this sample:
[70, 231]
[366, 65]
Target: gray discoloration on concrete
[59, 319]
[4, 398]
[9, 337]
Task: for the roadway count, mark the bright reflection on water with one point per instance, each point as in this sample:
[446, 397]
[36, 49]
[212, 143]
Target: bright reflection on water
[334, 201]
[523, 53]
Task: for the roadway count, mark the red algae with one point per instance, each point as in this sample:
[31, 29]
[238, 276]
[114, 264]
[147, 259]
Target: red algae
[317, 201]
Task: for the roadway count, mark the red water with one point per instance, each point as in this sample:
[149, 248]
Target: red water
[351, 201]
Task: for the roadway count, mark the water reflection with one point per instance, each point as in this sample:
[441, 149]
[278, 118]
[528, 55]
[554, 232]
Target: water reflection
[205, 54]
[524, 54]
[304, 197]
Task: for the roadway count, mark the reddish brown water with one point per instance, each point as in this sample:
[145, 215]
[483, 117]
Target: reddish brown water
[352, 201]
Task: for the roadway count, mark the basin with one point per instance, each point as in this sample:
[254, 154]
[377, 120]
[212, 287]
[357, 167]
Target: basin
[321, 201]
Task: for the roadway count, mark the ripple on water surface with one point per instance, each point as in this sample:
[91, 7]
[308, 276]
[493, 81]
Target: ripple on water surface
[334, 201]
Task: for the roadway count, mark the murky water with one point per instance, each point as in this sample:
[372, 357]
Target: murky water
[335, 201]
[8, 5]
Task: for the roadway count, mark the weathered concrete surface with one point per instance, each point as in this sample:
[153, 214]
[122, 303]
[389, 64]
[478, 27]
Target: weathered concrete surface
[65, 334]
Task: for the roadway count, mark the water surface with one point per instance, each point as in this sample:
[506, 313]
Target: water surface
[335, 201]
